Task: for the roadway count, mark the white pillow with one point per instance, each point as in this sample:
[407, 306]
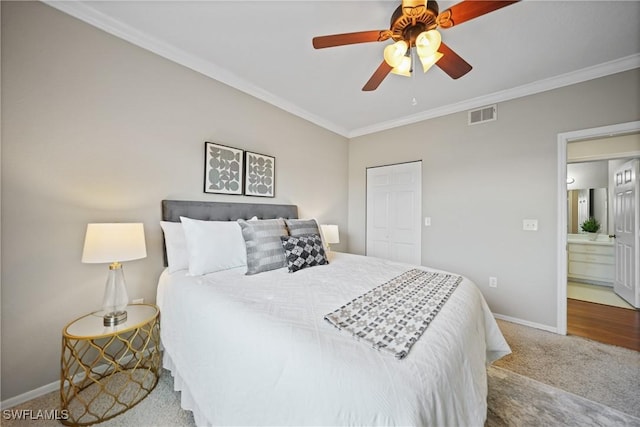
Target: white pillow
[213, 245]
[176, 244]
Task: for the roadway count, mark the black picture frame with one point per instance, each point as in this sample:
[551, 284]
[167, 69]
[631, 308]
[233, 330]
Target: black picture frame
[223, 169]
[259, 175]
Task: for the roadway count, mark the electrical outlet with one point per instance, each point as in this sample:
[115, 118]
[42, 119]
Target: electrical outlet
[138, 301]
[530, 224]
[493, 282]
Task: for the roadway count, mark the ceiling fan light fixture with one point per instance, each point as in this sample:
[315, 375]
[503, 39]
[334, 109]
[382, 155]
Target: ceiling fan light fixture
[414, 24]
[404, 68]
[428, 43]
[429, 61]
[394, 53]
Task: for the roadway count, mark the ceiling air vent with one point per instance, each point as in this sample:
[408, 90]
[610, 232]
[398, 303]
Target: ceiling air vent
[484, 114]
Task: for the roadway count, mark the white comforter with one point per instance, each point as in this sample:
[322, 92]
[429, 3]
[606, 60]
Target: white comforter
[255, 350]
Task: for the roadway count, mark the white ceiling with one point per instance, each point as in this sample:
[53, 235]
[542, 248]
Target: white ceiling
[264, 48]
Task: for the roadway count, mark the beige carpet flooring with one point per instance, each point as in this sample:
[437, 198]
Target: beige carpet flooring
[596, 371]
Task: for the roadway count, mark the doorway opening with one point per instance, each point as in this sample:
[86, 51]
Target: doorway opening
[600, 286]
[591, 235]
[562, 220]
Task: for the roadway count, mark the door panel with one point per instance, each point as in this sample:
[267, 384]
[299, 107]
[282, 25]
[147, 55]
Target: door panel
[626, 223]
[381, 210]
[394, 210]
[378, 234]
[403, 178]
[404, 210]
[378, 180]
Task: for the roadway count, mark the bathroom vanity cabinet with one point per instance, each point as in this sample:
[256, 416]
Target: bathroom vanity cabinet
[591, 261]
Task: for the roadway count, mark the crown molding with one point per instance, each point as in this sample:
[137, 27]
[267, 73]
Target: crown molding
[99, 20]
[585, 74]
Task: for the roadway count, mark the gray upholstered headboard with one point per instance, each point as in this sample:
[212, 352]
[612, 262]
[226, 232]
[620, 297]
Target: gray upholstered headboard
[172, 210]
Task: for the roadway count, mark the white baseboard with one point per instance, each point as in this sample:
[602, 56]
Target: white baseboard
[526, 323]
[25, 397]
[55, 386]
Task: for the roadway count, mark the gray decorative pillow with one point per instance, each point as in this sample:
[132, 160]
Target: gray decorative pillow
[264, 248]
[301, 227]
[303, 251]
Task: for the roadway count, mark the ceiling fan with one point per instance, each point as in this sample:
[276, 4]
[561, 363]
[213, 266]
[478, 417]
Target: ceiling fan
[413, 28]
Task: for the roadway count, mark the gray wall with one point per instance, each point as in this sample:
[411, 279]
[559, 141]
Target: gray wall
[95, 129]
[481, 181]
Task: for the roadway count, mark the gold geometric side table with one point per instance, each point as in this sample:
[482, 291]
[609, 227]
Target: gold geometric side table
[106, 370]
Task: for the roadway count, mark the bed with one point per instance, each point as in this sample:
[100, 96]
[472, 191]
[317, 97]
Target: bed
[257, 350]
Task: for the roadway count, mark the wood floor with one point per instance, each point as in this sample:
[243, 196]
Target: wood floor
[604, 323]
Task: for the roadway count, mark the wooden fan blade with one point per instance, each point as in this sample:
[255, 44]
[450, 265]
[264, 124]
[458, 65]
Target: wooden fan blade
[451, 63]
[350, 38]
[469, 9]
[378, 76]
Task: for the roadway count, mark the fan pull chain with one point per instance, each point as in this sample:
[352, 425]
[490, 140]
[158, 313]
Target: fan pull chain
[414, 101]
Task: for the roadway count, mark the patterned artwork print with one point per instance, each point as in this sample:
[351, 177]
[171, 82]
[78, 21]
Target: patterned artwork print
[223, 169]
[260, 175]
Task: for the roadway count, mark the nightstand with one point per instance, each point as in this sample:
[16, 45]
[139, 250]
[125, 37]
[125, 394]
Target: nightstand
[107, 370]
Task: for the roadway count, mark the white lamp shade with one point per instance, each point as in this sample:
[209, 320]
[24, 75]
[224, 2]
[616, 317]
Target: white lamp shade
[114, 242]
[330, 233]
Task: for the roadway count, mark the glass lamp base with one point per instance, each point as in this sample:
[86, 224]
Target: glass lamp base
[114, 318]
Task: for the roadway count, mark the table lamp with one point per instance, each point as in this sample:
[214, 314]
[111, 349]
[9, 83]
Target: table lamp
[113, 243]
[331, 234]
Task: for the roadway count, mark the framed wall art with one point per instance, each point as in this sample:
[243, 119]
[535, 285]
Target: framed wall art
[260, 175]
[223, 169]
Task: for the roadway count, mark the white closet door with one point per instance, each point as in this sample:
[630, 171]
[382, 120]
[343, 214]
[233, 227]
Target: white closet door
[394, 211]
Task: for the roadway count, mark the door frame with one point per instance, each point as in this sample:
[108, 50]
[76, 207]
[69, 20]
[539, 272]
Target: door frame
[563, 139]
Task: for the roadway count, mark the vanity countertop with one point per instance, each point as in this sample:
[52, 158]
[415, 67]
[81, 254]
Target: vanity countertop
[601, 239]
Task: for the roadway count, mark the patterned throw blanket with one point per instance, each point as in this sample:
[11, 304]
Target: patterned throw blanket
[392, 316]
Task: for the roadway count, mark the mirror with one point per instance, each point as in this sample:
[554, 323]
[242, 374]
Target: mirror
[585, 203]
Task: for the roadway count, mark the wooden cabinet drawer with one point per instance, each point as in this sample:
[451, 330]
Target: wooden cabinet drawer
[591, 249]
[593, 271]
[585, 257]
